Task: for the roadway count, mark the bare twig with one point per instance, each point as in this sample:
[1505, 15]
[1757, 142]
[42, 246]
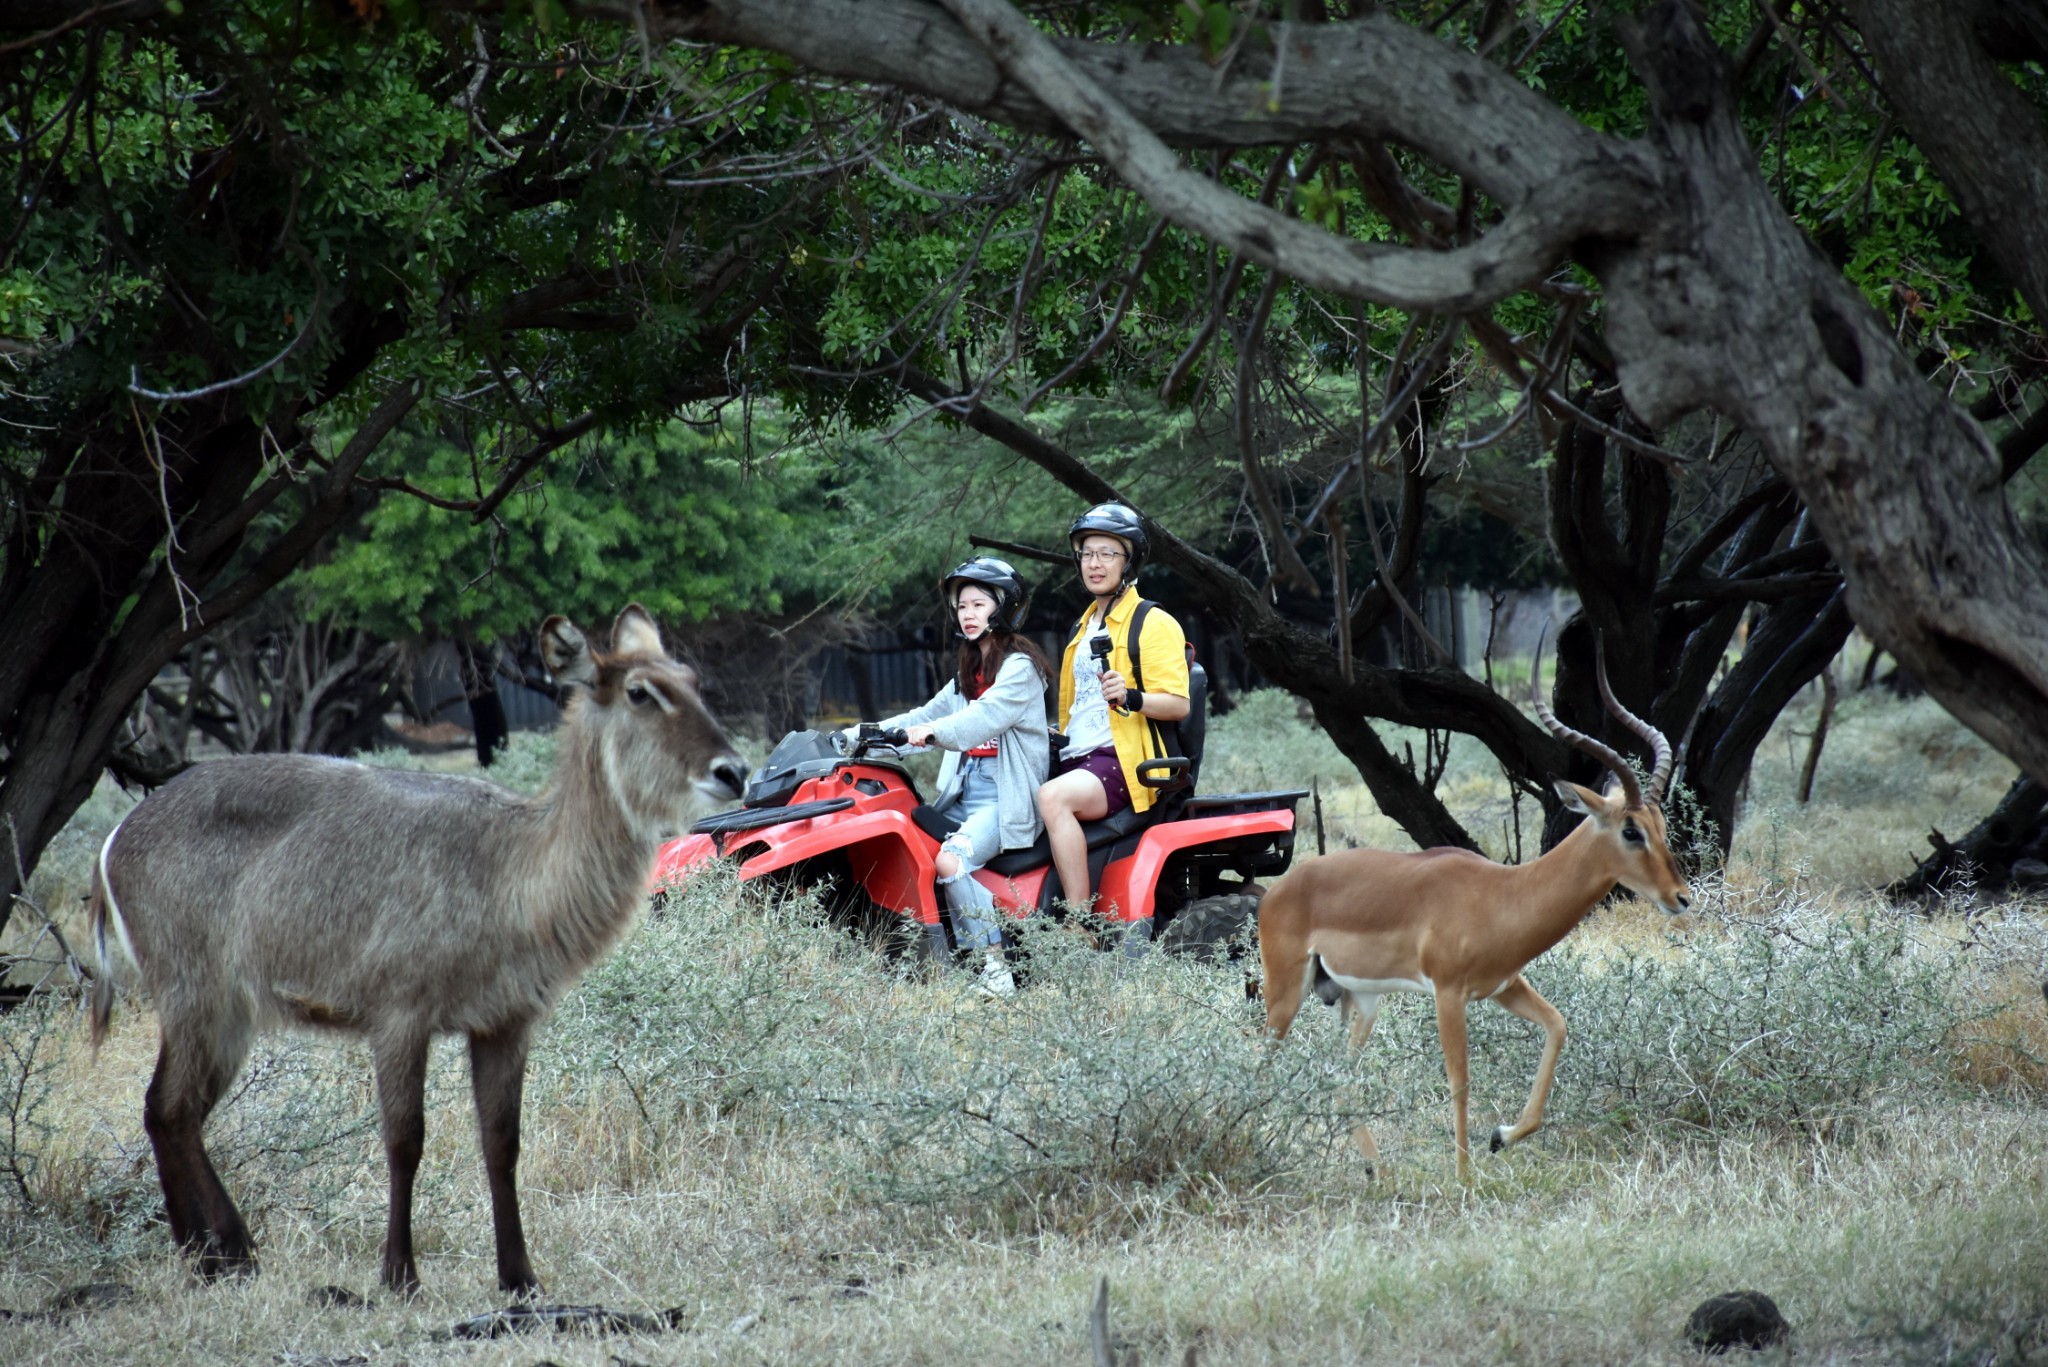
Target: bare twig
[1098, 1325]
[1115, 320]
[1376, 433]
[1019, 549]
[1340, 590]
[1399, 600]
[1280, 546]
[1226, 290]
[136, 388]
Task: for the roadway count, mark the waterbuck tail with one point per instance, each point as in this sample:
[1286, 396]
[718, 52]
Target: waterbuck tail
[101, 909]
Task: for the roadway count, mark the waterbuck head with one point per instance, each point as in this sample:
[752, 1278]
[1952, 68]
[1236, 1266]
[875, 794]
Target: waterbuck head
[1626, 816]
[659, 748]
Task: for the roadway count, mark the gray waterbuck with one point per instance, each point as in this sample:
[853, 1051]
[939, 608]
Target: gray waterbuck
[284, 890]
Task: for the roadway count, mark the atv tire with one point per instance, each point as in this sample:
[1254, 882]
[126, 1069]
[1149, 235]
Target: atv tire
[1205, 927]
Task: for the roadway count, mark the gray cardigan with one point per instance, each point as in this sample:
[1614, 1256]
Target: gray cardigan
[1011, 711]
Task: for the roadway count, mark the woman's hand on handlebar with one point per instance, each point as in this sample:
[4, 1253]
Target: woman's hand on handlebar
[919, 734]
[859, 739]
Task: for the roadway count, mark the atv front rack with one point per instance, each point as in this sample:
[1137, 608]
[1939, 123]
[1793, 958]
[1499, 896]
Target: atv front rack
[721, 824]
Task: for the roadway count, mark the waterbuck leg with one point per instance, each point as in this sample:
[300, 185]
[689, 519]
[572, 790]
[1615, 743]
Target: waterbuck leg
[401, 1101]
[497, 1075]
[1527, 1003]
[189, 1082]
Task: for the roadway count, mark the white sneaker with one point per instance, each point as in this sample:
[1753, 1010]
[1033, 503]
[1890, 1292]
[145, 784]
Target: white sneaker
[996, 979]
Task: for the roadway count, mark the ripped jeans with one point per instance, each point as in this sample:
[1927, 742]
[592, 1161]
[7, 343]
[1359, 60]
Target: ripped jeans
[978, 840]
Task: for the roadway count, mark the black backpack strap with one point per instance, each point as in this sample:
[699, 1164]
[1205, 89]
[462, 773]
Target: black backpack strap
[1131, 641]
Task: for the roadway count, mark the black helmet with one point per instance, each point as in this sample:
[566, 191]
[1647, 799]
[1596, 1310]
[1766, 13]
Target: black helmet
[1117, 520]
[1003, 583]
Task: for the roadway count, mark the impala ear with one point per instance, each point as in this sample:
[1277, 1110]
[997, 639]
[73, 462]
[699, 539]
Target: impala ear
[1582, 800]
[565, 652]
[635, 633]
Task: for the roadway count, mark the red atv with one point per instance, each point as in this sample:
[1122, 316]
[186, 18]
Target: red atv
[823, 812]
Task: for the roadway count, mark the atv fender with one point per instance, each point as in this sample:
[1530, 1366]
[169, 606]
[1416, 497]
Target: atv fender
[889, 856]
[1130, 886]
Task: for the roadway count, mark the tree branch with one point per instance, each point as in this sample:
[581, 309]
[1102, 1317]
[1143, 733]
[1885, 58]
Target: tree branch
[1599, 201]
[1374, 77]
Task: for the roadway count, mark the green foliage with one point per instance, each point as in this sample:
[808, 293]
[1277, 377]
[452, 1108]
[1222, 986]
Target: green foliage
[675, 519]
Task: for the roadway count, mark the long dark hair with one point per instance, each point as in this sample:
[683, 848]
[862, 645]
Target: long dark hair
[990, 653]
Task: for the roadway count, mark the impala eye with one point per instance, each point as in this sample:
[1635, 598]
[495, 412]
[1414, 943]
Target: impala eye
[1632, 833]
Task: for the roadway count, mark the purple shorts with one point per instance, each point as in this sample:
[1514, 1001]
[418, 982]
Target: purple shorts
[1104, 764]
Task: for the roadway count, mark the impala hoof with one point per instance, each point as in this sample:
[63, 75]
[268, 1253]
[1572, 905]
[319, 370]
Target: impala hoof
[1500, 1139]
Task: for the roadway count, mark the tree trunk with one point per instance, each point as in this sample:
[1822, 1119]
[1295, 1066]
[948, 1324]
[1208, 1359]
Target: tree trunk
[2016, 829]
[480, 691]
[1721, 302]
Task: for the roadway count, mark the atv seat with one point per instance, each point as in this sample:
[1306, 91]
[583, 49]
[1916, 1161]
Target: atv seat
[1107, 831]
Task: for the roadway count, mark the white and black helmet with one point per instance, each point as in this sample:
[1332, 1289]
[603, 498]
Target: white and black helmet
[1003, 583]
[1113, 519]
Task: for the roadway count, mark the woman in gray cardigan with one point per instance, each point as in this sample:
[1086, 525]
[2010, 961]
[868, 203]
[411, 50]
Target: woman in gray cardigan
[990, 718]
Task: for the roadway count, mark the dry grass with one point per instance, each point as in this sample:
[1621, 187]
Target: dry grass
[755, 1122]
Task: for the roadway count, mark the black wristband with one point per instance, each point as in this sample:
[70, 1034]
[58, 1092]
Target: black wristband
[1134, 700]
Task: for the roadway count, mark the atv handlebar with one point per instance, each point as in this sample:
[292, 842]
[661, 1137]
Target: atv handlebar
[870, 737]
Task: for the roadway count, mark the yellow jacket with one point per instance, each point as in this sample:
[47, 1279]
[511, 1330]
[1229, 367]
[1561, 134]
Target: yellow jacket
[1164, 651]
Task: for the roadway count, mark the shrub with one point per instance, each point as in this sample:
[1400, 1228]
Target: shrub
[1106, 1075]
[1786, 1016]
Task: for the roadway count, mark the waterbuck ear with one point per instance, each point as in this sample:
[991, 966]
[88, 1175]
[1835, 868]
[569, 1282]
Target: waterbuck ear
[1581, 800]
[635, 633]
[564, 651]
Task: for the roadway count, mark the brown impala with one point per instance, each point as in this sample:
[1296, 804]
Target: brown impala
[294, 890]
[1461, 927]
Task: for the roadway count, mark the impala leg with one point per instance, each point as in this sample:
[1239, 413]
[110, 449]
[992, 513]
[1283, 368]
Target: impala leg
[1527, 1003]
[1450, 1031]
[497, 1074]
[1287, 969]
[195, 1064]
[401, 1100]
[1364, 1009]
[1361, 1009]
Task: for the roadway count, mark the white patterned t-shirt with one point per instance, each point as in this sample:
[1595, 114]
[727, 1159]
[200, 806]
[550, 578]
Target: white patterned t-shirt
[1088, 719]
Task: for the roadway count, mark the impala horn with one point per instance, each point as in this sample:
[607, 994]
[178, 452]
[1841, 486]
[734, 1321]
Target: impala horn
[1579, 740]
[1660, 748]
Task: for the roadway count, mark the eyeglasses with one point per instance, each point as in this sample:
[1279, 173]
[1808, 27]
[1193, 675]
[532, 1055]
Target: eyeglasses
[1100, 557]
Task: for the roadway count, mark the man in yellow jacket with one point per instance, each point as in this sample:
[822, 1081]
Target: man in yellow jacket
[1111, 726]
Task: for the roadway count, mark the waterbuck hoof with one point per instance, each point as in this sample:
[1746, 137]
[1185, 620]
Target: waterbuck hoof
[335, 1298]
[523, 1290]
[216, 1263]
